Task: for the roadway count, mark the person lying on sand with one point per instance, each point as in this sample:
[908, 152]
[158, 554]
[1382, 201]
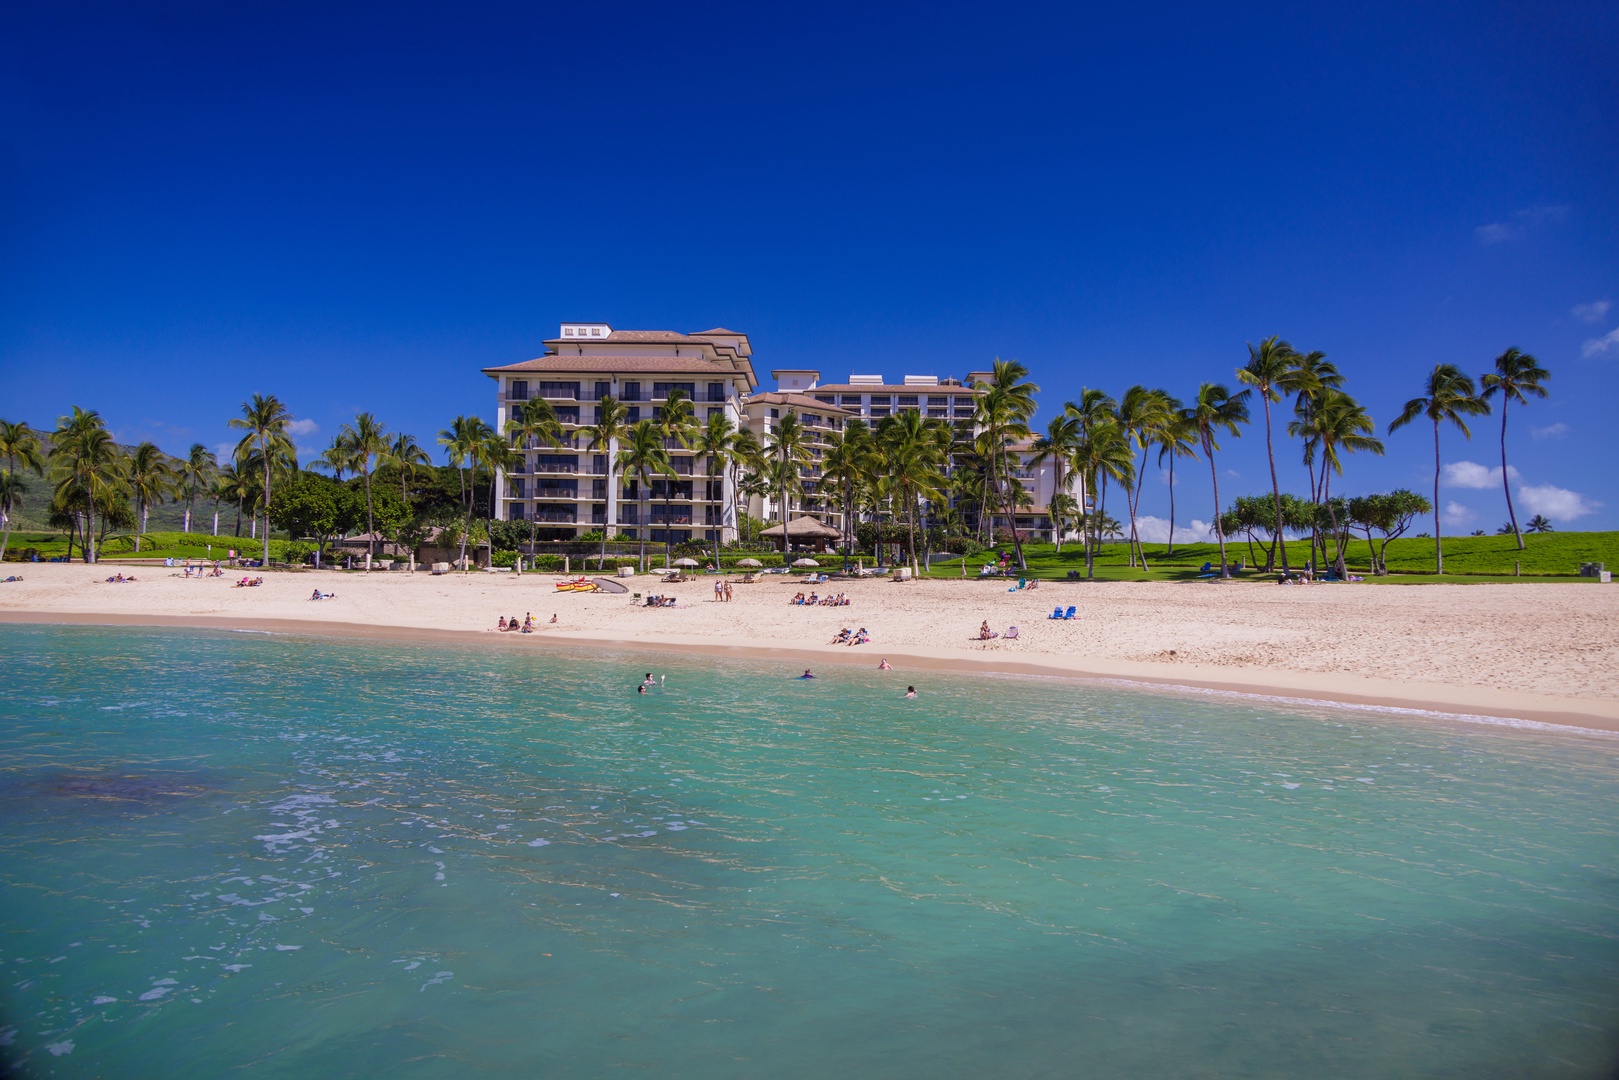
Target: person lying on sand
[842, 638]
[861, 637]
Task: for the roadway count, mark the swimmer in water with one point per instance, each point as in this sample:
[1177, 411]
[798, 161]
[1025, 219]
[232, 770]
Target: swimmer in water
[808, 674]
[885, 665]
[641, 689]
[910, 692]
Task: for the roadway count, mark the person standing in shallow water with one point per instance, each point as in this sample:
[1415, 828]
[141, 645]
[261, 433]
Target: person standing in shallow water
[910, 692]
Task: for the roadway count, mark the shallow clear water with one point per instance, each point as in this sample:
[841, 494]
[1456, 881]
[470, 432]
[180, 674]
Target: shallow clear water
[320, 858]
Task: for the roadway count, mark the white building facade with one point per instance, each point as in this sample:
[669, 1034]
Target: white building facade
[565, 490]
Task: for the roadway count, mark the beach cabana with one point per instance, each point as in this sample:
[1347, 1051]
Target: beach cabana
[802, 530]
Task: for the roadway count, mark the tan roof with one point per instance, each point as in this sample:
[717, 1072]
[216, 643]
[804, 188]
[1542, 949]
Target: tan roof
[802, 526]
[652, 365]
[795, 399]
[717, 331]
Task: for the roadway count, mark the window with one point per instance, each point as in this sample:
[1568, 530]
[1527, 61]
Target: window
[907, 399]
[934, 399]
[661, 389]
[775, 414]
[514, 512]
[714, 490]
[598, 514]
[851, 399]
[713, 412]
[683, 467]
[559, 390]
[632, 391]
[598, 488]
[598, 466]
[595, 331]
[603, 389]
[634, 414]
[569, 414]
[552, 488]
[827, 399]
[716, 391]
[518, 491]
[555, 463]
[519, 390]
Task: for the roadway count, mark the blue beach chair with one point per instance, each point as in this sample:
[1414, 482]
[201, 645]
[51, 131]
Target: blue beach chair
[1070, 613]
[1056, 612]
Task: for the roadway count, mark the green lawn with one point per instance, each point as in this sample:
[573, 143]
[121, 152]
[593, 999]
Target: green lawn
[154, 545]
[1467, 558]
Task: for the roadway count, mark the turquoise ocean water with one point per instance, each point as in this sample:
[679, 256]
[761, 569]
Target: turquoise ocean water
[278, 856]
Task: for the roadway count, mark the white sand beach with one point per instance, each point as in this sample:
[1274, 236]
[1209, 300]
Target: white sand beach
[1546, 652]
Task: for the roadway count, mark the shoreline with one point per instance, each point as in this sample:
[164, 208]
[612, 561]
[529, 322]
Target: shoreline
[1414, 698]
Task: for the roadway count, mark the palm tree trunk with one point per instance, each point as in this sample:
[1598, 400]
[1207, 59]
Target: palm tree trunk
[1135, 509]
[646, 524]
[191, 502]
[1505, 484]
[370, 524]
[140, 505]
[1219, 533]
[1171, 550]
[1276, 492]
[239, 517]
[1438, 542]
[266, 451]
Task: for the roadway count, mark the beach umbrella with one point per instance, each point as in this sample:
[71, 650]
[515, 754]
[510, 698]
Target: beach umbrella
[685, 562]
[749, 562]
[805, 562]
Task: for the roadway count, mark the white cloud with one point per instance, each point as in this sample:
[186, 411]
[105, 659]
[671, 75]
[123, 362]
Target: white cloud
[1594, 312]
[1550, 431]
[1470, 474]
[1559, 504]
[1600, 346]
[1497, 232]
[1155, 530]
[302, 427]
[1456, 515]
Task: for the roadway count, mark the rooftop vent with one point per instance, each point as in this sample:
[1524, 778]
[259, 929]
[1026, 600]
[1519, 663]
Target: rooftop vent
[865, 380]
[921, 380]
[586, 330]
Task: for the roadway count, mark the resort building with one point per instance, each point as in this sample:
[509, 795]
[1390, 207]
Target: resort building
[761, 415]
[872, 398]
[565, 489]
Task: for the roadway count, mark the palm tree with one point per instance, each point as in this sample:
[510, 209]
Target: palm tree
[338, 457]
[1093, 407]
[641, 451]
[1102, 453]
[87, 465]
[1517, 377]
[1003, 411]
[1338, 423]
[1175, 437]
[715, 442]
[1450, 397]
[913, 459]
[1312, 376]
[150, 479]
[199, 464]
[678, 423]
[265, 420]
[604, 435]
[18, 443]
[843, 466]
[788, 449]
[365, 439]
[535, 421]
[1540, 524]
[1058, 446]
[461, 442]
[1273, 369]
[748, 456]
[1214, 409]
[1141, 413]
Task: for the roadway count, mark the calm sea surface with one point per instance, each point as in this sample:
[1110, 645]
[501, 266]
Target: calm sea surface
[286, 856]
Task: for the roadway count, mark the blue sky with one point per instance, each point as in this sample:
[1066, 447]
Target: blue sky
[358, 207]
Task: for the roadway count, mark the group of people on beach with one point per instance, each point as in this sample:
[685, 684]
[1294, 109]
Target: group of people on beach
[859, 637]
[511, 625]
[722, 592]
[814, 600]
[245, 583]
[200, 570]
[119, 579]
